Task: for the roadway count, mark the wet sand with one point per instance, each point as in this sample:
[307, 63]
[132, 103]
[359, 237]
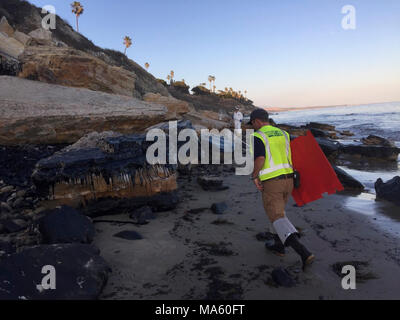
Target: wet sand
[204, 256]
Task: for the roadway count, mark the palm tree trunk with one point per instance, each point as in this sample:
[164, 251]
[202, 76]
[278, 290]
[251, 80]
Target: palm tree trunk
[77, 24]
[125, 51]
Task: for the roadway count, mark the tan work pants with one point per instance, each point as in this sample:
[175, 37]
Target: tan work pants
[275, 196]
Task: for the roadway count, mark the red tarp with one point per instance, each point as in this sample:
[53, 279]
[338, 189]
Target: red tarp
[316, 173]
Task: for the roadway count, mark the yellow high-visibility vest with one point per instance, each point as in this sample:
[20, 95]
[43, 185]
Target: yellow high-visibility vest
[278, 159]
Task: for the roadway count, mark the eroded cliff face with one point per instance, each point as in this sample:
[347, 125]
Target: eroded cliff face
[74, 68]
[105, 173]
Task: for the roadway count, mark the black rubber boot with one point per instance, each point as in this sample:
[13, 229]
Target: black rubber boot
[277, 248]
[306, 256]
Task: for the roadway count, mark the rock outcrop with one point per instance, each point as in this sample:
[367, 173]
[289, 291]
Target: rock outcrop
[81, 273]
[74, 68]
[377, 141]
[371, 152]
[389, 191]
[106, 176]
[176, 108]
[39, 113]
[348, 182]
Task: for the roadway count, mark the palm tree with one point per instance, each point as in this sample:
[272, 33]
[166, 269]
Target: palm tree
[172, 74]
[77, 9]
[214, 83]
[214, 87]
[169, 78]
[147, 65]
[127, 43]
[210, 79]
[245, 94]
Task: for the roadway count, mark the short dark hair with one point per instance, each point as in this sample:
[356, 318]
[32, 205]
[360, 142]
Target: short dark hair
[259, 114]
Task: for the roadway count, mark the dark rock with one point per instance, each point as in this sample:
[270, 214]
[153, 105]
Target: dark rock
[372, 152]
[81, 273]
[282, 278]
[329, 147]
[219, 208]
[17, 163]
[211, 184]
[377, 141]
[13, 226]
[142, 215]
[321, 126]
[6, 248]
[389, 191]
[323, 134]
[66, 225]
[129, 235]
[9, 66]
[5, 207]
[347, 133]
[348, 182]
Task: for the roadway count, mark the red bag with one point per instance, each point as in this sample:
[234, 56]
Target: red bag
[316, 173]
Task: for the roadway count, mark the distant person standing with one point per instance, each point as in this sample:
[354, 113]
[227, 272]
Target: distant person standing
[238, 119]
[273, 175]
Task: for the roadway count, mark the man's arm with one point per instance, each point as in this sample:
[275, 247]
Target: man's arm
[259, 160]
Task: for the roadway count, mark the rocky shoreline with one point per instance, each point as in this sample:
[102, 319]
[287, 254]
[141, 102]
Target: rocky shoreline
[105, 174]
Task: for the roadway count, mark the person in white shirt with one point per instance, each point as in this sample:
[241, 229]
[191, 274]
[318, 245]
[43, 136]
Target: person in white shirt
[238, 119]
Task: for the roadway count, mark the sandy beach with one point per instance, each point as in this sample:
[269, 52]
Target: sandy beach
[201, 255]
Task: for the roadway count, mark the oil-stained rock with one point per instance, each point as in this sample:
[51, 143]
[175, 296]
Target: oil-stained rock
[81, 273]
[105, 176]
[389, 191]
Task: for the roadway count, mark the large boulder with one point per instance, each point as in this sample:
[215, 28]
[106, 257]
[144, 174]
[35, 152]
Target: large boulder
[106, 174]
[329, 147]
[81, 273]
[389, 191]
[74, 68]
[348, 182]
[32, 112]
[66, 225]
[10, 46]
[176, 108]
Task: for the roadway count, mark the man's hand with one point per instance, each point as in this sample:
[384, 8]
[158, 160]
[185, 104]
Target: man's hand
[258, 184]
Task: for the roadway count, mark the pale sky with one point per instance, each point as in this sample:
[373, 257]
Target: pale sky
[284, 53]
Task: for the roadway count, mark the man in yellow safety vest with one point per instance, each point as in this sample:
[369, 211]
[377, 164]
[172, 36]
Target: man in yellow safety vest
[273, 175]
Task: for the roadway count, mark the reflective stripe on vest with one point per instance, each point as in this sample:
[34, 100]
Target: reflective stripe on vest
[270, 169]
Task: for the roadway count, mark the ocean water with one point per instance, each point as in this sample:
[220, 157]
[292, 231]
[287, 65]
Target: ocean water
[381, 119]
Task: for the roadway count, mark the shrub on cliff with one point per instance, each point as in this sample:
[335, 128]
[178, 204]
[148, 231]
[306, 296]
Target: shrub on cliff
[181, 86]
[200, 90]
